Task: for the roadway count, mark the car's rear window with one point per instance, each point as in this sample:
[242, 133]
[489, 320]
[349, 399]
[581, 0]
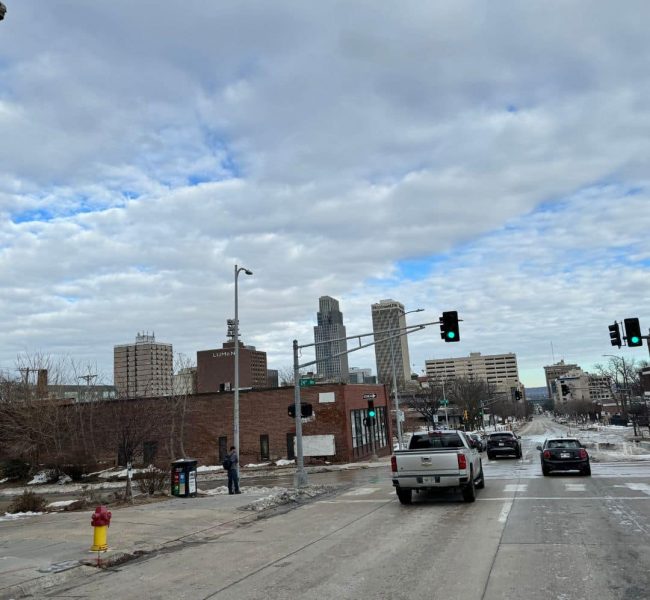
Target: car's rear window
[435, 440]
[501, 436]
[563, 444]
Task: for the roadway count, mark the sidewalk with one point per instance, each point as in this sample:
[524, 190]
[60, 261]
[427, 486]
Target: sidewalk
[37, 552]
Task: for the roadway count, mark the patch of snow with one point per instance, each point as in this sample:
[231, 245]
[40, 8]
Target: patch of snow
[4, 480]
[16, 516]
[266, 464]
[40, 477]
[64, 479]
[282, 496]
[283, 462]
[60, 503]
[209, 469]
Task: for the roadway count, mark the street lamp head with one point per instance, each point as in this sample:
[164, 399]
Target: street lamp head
[248, 272]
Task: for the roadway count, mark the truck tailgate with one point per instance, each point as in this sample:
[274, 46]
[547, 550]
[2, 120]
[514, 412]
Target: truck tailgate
[420, 462]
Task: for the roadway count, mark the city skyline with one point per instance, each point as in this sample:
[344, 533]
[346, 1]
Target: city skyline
[503, 175]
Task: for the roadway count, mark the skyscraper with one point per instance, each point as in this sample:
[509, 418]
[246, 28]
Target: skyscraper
[330, 327]
[144, 368]
[389, 315]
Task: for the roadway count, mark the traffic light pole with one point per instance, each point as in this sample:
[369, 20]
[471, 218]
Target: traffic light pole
[300, 478]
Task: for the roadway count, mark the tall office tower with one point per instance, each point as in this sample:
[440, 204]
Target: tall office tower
[388, 315]
[330, 327]
[144, 368]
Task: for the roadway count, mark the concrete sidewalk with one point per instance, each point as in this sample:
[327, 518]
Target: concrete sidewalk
[37, 552]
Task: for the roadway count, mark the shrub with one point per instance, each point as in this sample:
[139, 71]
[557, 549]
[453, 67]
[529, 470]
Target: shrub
[14, 469]
[28, 502]
[152, 480]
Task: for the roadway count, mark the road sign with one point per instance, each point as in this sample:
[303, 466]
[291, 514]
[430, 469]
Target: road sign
[307, 382]
[444, 403]
[369, 396]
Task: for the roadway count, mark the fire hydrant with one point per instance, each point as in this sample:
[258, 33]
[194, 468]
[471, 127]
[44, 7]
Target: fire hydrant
[100, 520]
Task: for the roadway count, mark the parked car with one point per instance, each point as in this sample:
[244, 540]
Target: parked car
[564, 454]
[503, 443]
[437, 459]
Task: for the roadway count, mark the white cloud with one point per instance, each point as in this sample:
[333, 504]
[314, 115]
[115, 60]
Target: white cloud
[332, 143]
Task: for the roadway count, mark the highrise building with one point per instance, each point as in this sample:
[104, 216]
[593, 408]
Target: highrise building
[388, 316]
[329, 329]
[552, 373]
[498, 370]
[144, 368]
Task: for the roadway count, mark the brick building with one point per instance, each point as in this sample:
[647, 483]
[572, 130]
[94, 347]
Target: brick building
[215, 369]
[335, 432]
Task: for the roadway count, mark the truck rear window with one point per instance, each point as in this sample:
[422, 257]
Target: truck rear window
[435, 439]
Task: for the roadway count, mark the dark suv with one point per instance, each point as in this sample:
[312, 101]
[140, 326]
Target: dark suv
[503, 443]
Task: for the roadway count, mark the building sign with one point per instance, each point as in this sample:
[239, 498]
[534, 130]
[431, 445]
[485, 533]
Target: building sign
[317, 445]
[223, 354]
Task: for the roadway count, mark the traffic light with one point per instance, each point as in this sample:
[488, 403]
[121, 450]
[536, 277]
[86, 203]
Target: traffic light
[615, 334]
[449, 326]
[306, 410]
[633, 333]
[372, 413]
[517, 395]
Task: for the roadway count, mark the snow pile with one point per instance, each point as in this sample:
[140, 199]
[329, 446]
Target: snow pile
[16, 516]
[282, 496]
[248, 490]
[253, 465]
[283, 462]
[64, 479]
[4, 480]
[209, 469]
[40, 477]
[61, 503]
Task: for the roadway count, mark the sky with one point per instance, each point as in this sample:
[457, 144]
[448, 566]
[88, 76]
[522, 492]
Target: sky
[489, 158]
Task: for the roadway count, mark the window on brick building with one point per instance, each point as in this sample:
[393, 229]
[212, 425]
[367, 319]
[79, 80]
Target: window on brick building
[264, 447]
[291, 453]
[223, 448]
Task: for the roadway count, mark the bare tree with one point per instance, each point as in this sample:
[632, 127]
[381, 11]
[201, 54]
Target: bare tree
[185, 386]
[469, 395]
[624, 375]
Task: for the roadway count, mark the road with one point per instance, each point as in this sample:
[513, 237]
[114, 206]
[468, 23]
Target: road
[527, 537]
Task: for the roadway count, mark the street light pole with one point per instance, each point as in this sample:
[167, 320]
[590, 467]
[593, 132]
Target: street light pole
[236, 396]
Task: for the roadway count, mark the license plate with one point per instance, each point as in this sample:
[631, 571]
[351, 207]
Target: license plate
[565, 455]
[501, 443]
[427, 480]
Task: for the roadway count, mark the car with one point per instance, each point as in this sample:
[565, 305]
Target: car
[564, 454]
[503, 443]
[479, 441]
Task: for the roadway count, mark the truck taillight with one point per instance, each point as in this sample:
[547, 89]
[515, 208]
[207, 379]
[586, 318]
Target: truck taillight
[547, 454]
[462, 461]
[393, 463]
[582, 453]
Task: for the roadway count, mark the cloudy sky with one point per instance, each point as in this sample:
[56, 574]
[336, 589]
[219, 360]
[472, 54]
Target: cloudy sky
[490, 158]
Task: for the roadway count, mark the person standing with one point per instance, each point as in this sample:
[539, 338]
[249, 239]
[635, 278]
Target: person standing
[233, 471]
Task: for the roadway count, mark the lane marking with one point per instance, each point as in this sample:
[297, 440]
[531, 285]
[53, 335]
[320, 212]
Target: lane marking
[384, 501]
[361, 492]
[505, 511]
[577, 498]
[516, 487]
[637, 487]
[575, 487]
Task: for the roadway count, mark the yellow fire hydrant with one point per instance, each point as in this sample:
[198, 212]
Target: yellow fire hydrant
[100, 520]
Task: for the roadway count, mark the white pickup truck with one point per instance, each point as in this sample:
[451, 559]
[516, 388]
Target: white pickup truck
[438, 459]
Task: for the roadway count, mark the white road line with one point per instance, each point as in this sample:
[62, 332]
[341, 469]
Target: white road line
[505, 511]
[637, 487]
[516, 487]
[575, 487]
[360, 492]
[578, 498]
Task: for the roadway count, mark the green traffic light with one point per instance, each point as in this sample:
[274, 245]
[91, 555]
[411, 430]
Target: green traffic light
[451, 335]
[372, 413]
[635, 340]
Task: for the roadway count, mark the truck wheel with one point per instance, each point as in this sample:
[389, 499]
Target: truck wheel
[404, 495]
[481, 482]
[469, 491]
